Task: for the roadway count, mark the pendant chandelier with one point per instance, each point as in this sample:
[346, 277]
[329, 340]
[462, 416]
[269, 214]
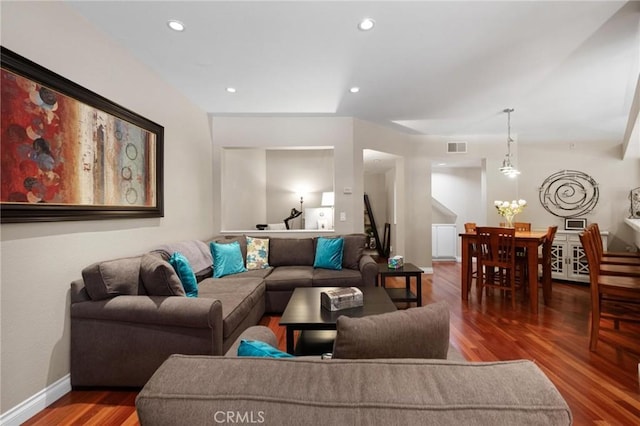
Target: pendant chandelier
[508, 169]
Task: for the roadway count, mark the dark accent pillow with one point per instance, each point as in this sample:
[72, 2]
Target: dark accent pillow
[412, 333]
[158, 276]
[291, 252]
[110, 278]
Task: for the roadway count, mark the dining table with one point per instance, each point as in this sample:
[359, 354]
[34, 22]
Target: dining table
[530, 241]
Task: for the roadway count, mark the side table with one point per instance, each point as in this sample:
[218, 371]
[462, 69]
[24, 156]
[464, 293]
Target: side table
[402, 294]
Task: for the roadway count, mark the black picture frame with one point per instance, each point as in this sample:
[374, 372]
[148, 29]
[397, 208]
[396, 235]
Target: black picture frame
[147, 178]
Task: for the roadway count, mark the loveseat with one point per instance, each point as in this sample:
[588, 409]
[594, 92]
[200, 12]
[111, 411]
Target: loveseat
[129, 314]
[405, 387]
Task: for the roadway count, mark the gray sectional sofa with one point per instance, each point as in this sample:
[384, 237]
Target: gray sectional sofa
[129, 315]
[400, 383]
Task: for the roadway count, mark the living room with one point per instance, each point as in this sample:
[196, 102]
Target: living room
[39, 260]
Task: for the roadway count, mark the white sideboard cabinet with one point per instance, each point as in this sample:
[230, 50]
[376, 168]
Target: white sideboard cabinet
[568, 259]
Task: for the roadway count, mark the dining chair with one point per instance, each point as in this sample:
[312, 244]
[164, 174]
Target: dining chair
[612, 297]
[473, 254]
[609, 257]
[608, 268]
[519, 226]
[496, 260]
[544, 260]
[522, 272]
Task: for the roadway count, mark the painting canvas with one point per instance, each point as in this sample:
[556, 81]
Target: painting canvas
[68, 154]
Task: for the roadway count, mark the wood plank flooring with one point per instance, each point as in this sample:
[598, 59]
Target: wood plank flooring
[602, 388]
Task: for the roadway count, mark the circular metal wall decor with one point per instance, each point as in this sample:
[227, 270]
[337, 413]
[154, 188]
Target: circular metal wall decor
[569, 193]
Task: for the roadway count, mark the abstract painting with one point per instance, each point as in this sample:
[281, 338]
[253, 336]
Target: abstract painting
[70, 154]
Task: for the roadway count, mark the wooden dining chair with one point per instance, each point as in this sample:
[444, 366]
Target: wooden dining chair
[609, 257]
[496, 260]
[544, 260]
[519, 226]
[609, 268]
[612, 297]
[473, 254]
[522, 265]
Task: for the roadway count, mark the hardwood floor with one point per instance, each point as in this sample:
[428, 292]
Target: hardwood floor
[601, 388]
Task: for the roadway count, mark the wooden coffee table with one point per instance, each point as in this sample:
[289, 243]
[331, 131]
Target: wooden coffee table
[304, 312]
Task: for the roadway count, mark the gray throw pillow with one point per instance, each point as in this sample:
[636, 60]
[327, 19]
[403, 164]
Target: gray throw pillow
[353, 250]
[412, 333]
[291, 251]
[113, 278]
[159, 277]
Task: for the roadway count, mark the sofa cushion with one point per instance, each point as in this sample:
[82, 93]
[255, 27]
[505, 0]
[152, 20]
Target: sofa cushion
[412, 333]
[257, 253]
[238, 297]
[329, 253]
[296, 391]
[260, 349]
[353, 250]
[256, 273]
[285, 278]
[185, 273]
[227, 259]
[291, 252]
[332, 278]
[113, 278]
[159, 277]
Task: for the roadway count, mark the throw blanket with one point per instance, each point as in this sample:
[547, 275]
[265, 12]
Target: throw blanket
[196, 252]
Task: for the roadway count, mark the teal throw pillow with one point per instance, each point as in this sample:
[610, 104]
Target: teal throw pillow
[227, 259]
[185, 273]
[329, 253]
[260, 349]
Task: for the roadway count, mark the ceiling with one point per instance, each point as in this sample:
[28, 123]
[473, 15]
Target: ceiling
[569, 69]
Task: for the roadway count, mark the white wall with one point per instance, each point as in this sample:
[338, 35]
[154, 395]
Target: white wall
[602, 161]
[288, 132]
[371, 136]
[245, 182]
[459, 189]
[292, 174]
[40, 260]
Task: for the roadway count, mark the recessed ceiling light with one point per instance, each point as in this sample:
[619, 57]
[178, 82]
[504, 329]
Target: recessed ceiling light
[231, 89]
[354, 89]
[366, 24]
[175, 25]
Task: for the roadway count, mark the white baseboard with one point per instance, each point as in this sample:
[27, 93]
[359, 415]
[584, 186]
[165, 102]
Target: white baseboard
[38, 402]
[427, 270]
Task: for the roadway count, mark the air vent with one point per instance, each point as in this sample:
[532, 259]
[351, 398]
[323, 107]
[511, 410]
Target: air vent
[456, 147]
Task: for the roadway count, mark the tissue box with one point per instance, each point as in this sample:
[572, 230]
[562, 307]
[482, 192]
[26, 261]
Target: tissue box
[395, 262]
[341, 298]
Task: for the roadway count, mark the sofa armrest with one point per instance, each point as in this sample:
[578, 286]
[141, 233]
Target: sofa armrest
[156, 310]
[122, 341]
[258, 332]
[369, 270]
